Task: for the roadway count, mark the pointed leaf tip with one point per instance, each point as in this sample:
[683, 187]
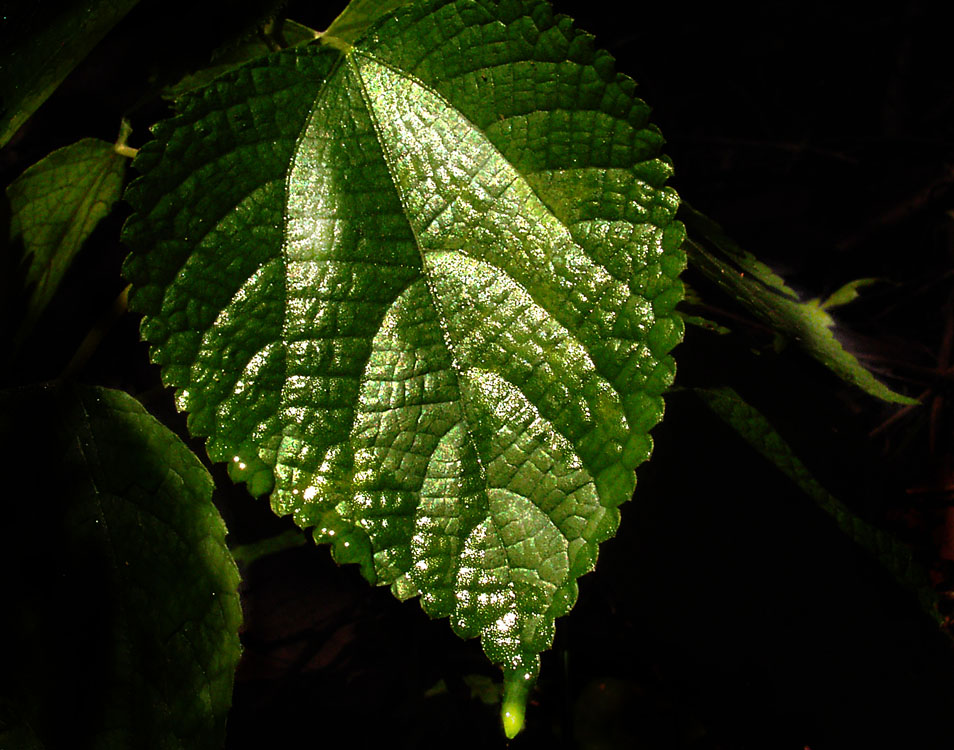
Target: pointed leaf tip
[513, 709]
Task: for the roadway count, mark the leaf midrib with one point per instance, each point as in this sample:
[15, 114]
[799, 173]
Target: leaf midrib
[466, 406]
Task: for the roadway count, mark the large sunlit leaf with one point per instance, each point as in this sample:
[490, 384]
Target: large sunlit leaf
[766, 295]
[421, 291]
[121, 610]
[56, 204]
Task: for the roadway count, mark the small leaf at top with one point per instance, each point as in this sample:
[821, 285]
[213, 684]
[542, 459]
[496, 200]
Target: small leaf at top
[431, 307]
[56, 204]
[120, 628]
[846, 294]
[358, 17]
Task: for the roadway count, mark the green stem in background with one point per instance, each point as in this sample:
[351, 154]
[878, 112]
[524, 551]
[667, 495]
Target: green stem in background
[96, 335]
[756, 430]
[120, 147]
[246, 554]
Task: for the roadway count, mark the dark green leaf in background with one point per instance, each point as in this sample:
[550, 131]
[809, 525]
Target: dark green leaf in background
[40, 43]
[122, 615]
[56, 204]
[15, 733]
[766, 295]
[232, 56]
[421, 290]
[759, 433]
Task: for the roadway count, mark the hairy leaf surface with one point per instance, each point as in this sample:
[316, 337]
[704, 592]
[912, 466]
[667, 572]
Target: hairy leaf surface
[421, 291]
[121, 628]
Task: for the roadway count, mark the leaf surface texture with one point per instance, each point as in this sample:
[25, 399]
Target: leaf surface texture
[431, 307]
[56, 204]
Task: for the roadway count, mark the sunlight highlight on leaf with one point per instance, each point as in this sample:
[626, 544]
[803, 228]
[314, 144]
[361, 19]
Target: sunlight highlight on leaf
[435, 334]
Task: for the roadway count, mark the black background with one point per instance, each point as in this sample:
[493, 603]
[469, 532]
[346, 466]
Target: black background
[728, 612]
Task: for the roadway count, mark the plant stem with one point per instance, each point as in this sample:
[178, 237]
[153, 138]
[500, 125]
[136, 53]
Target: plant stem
[96, 335]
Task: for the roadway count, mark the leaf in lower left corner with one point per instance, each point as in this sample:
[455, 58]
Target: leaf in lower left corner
[121, 618]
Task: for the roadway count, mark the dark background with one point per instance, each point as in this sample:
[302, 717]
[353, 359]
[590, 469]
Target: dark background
[728, 612]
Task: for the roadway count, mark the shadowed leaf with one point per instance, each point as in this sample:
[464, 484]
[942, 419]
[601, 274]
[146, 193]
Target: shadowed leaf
[759, 433]
[123, 629]
[40, 45]
[55, 205]
[233, 56]
[358, 17]
[763, 293]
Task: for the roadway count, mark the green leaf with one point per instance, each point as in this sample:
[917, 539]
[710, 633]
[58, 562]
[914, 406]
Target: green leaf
[40, 45]
[430, 308]
[846, 294]
[233, 56]
[246, 554]
[763, 293]
[759, 433]
[358, 17]
[56, 204]
[122, 613]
